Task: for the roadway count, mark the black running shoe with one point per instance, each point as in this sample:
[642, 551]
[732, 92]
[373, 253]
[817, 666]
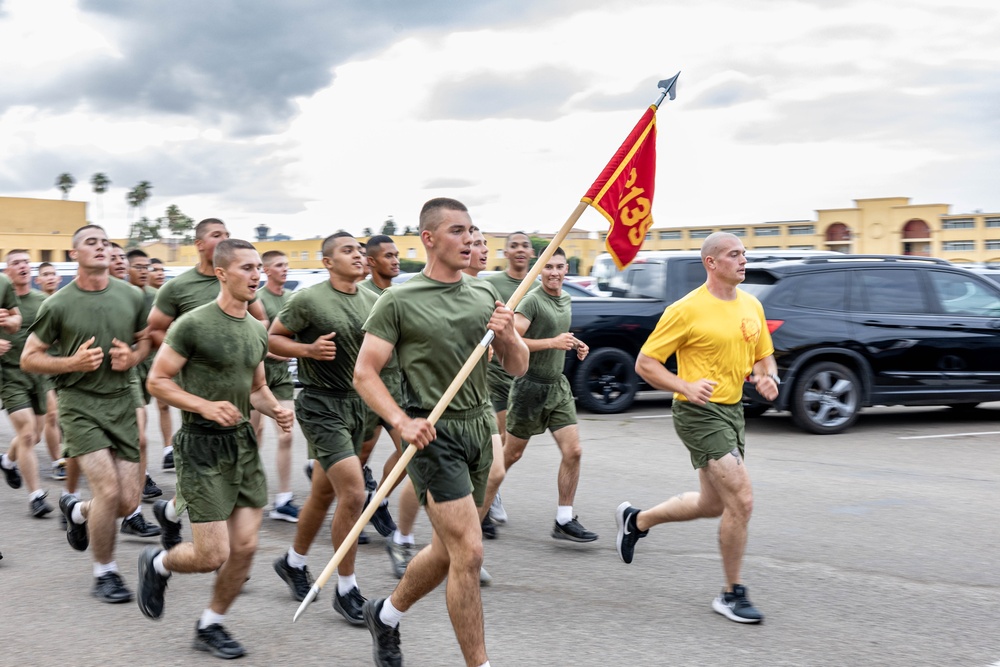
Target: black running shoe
[572, 531]
[370, 484]
[362, 538]
[13, 476]
[349, 606]
[151, 490]
[76, 533]
[151, 585]
[400, 556]
[138, 526]
[216, 641]
[39, 507]
[299, 581]
[308, 469]
[628, 532]
[170, 535]
[110, 588]
[168, 460]
[381, 519]
[385, 640]
[489, 528]
[736, 606]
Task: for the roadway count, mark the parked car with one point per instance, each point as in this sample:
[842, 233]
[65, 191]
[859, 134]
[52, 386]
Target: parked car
[856, 331]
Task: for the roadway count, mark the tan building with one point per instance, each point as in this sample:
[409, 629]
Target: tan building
[890, 225]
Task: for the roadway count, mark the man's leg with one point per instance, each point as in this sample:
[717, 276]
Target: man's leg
[53, 436]
[349, 487]
[283, 464]
[115, 488]
[729, 478]
[167, 434]
[22, 447]
[313, 513]
[568, 441]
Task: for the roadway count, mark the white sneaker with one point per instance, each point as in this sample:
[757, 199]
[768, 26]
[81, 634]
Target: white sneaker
[497, 513]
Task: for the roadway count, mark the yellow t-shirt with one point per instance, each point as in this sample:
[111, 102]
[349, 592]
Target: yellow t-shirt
[714, 339]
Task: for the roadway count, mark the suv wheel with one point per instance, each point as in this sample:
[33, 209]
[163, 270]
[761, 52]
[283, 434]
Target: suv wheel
[606, 381]
[826, 398]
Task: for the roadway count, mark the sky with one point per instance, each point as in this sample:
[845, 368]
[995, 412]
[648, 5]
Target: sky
[314, 116]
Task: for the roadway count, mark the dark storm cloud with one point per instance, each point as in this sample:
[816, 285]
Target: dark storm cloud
[239, 65]
[536, 95]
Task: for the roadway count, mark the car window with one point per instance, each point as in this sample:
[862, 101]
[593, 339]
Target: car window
[824, 290]
[963, 295]
[888, 291]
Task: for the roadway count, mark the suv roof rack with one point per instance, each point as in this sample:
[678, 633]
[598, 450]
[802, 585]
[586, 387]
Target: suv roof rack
[877, 258]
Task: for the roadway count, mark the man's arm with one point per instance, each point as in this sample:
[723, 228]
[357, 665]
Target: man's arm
[372, 358]
[10, 320]
[564, 341]
[510, 348]
[764, 373]
[264, 402]
[124, 357]
[35, 358]
[158, 323]
[657, 375]
[281, 342]
[161, 384]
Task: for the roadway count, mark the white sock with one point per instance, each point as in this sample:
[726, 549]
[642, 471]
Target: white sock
[296, 559]
[168, 449]
[5, 461]
[564, 514]
[485, 664]
[137, 511]
[171, 511]
[35, 494]
[390, 616]
[345, 584]
[399, 538]
[209, 617]
[77, 514]
[158, 565]
[282, 498]
[101, 569]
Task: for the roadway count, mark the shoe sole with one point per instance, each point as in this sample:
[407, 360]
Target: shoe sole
[722, 608]
[120, 600]
[45, 511]
[199, 645]
[620, 522]
[569, 538]
[132, 533]
[146, 497]
[283, 517]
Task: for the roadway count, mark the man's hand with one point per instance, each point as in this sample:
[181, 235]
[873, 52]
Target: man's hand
[5, 318]
[502, 321]
[222, 413]
[417, 432]
[323, 348]
[766, 386]
[564, 341]
[121, 356]
[285, 418]
[699, 392]
[87, 358]
[4, 346]
[582, 350]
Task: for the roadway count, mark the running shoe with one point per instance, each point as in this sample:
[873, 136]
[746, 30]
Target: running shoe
[170, 535]
[349, 605]
[151, 490]
[151, 585]
[299, 581]
[168, 460]
[628, 532]
[138, 526]
[572, 531]
[736, 606]
[287, 512]
[400, 556]
[13, 476]
[497, 512]
[215, 640]
[385, 640]
[76, 533]
[110, 588]
[39, 507]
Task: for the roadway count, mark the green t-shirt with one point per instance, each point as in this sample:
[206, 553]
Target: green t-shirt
[390, 372]
[370, 284]
[222, 353]
[549, 316]
[28, 307]
[505, 286]
[272, 306]
[72, 316]
[186, 292]
[434, 327]
[316, 311]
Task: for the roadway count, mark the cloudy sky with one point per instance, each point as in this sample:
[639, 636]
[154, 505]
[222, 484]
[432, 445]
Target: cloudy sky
[310, 116]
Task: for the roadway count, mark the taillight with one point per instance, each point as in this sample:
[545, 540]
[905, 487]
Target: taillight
[772, 325]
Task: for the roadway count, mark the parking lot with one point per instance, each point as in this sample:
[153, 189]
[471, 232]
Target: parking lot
[877, 546]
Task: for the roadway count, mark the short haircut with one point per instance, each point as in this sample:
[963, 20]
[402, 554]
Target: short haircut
[375, 243]
[331, 241]
[78, 233]
[116, 246]
[17, 251]
[199, 229]
[712, 244]
[559, 251]
[135, 252]
[45, 265]
[155, 260]
[272, 256]
[226, 250]
[430, 216]
[513, 234]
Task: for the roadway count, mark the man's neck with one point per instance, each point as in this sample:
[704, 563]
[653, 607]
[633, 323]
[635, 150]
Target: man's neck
[22, 290]
[205, 267]
[436, 270]
[515, 274]
[381, 282]
[274, 287]
[92, 280]
[342, 284]
[721, 291]
[230, 305]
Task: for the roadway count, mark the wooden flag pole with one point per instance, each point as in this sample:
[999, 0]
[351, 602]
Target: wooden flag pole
[442, 405]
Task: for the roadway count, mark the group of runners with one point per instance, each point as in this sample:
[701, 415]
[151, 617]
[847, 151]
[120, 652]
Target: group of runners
[215, 344]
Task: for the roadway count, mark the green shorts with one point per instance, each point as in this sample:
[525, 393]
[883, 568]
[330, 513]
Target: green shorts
[333, 422]
[23, 390]
[458, 462]
[279, 379]
[498, 380]
[137, 385]
[218, 470]
[709, 431]
[92, 422]
[535, 405]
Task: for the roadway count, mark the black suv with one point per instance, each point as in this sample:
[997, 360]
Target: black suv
[859, 330]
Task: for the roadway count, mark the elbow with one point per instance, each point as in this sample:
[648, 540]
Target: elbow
[641, 363]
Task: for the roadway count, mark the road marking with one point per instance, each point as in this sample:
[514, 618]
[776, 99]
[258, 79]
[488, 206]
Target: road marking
[653, 417]
[950, 435]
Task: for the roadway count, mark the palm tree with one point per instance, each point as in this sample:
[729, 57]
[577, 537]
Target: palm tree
[65, 182]
[389, 227]
[143, 193]
[100, 182]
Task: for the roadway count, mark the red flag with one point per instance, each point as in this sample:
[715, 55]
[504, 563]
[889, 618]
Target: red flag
[623, 193]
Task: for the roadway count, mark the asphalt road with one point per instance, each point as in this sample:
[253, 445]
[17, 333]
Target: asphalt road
[875, 547]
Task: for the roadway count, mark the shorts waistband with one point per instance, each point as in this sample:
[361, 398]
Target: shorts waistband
[541, 379]
[461, 415]
[336, 393]
[198, 429]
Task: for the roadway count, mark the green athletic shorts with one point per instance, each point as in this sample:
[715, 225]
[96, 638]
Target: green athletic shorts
[92, 422]
[458, 462]
[536, 404]
[498, 381]
[23, 390]
[218, 470]
[279, 379]
[709, 431]
[333, 422]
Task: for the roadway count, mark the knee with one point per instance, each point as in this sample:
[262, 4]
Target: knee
[468, 556]
[742, 507]
[512, 455]
[573, 453]
[352, 500]
[243, 548]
